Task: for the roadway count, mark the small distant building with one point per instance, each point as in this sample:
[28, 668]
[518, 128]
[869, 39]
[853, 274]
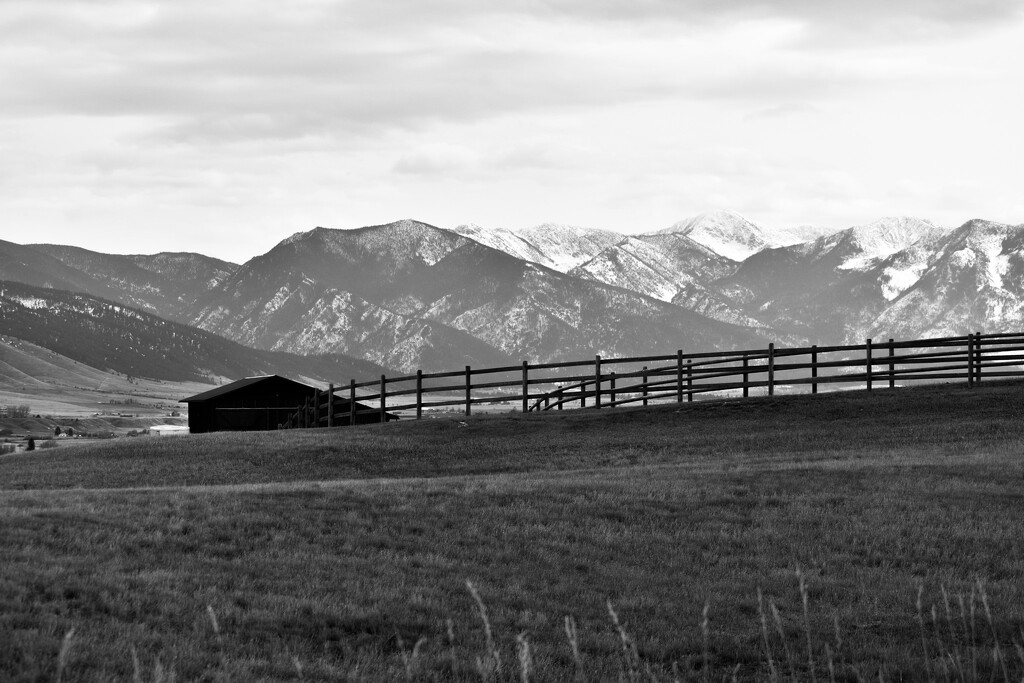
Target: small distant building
[262, 403]
[168, 430]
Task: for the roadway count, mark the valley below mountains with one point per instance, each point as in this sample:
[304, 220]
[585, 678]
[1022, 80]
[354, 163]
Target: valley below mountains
[408, 295]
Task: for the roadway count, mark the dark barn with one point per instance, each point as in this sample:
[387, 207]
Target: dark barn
[259, 403]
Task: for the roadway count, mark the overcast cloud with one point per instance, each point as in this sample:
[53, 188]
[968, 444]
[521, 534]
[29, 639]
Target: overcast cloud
[223, 127]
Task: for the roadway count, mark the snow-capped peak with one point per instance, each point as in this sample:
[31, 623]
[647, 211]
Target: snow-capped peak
[567, 246]
[886, 236]
[726, 233]
[560, 247]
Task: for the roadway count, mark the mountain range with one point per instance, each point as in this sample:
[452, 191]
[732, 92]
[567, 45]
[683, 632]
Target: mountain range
[408, 295]
[115, 338]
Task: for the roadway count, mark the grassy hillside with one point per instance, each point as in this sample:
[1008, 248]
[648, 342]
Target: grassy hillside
[115, 338]
[68, 393]
[343, 554]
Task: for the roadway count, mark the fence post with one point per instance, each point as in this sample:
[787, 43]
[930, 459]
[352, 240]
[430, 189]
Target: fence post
[526, 386]
[612, 379]
[867, 355]
[814, 368]
[383, 399]
[352, 403]
[330, 404]
[419, 394]
[977, 357]
[597, 381]
[679, 376]
[892, 367]
[771, 369]
[304, 414]
[689, 380]
[970, 359]
[746, 375]
[469, 390]
[645, 385]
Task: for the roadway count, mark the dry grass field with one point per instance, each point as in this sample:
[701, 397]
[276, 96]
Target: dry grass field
[850, 536]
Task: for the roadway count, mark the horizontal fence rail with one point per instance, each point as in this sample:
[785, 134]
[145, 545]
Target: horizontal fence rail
[675, 378]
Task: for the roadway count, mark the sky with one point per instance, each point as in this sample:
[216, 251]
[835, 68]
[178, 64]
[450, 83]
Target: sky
[222, 127]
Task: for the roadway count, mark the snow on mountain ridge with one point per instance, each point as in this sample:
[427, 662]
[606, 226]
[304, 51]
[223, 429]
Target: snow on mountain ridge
[504, 240]
[559, 247]
[786, 237]
[404, 240]
[636, 265]
[973, 281]
[726, 233]
[887, 236]
[567, 246]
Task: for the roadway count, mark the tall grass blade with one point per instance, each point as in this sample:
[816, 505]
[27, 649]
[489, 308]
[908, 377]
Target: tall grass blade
[216, 631]
[785, 643]
[772, 671]
[574, 644]
[968, 644]
[136, 666]
[630, 655]
[974, 634]
[704, 627]
[955, 642]
[924, 633]
[525, 661]
[807, 624]
[409, 659]
[492, 648]
[997, 651]
[941, 652]
[213, 620]
[450, 632]
[64, 655]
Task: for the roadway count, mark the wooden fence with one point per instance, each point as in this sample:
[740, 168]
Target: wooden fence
[676, 378]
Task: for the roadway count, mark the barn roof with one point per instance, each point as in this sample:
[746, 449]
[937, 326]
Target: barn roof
[236, 385]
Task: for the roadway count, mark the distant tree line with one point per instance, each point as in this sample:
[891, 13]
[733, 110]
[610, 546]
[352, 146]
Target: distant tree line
[23, 410]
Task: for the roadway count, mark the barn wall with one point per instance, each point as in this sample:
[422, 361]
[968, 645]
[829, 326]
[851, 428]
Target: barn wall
[258, 406]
